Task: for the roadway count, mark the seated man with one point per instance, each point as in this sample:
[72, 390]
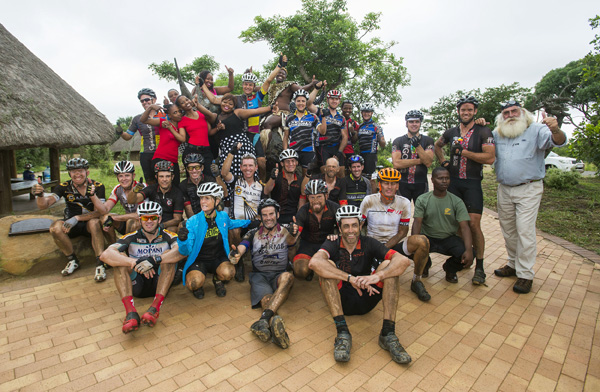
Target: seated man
[164, 193]
[354, 187]
[194, 167]
[388, 216]
[332, 166]
[84, 199]
[285, 185]
[438, 215]
[270, 283]
[128, 222]
[209, 232]
[144, 263]
[316, 220]
[349, 265]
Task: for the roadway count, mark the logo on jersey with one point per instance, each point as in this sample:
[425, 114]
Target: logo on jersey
[71, 198]
[169, 202]
[394, 211]
[448, 211]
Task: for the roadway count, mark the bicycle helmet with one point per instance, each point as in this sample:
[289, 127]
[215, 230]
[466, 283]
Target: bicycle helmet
[334, 94]
[28, 166]
[388, 174]
[210, 189]
[163, 166]
[467, 99]
[367, 107]
[193, 158]
[356, 159]
[347, 211]
[249, 77]
[77, 163]
[300, 93]
[149, 208]
[315, 187]
[123, 167]
[287, 154]
[267, 203]
[146, 91]
[414, 115]
[509, 103]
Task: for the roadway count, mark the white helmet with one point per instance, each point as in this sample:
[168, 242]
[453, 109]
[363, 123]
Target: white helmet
[287, 154]
[149, 208]
[367, 107]
[300, 93]
[123, 167]
[348, 211]
[210, 189]
[249, 77]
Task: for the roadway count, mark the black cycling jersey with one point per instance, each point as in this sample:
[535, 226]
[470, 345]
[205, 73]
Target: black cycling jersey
[311, 229]
[353, 191]
[302, 126]
[474, 140]
[77, 204]
[413, 174]
[334, 194]
[335, 124]
[190, 192]
[171, 202]
[269, 250]
[287, 194]
[136, 244]
[363, 258]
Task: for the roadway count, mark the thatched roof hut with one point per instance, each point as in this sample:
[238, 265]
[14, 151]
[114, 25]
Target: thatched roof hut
[35, 111]
[132, 146]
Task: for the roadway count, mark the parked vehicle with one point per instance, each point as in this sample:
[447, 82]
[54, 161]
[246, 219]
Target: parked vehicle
[553, 160]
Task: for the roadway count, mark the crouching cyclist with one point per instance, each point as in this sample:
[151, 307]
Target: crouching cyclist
[208, 231]
[144, 263]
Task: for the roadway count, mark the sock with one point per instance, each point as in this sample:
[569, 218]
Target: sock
[72, 257]
[340, 324]
[267, 314]
[389, 327]
[128, 302]
[98, 261]
[416, 277]
[479, 263]
[158, 300]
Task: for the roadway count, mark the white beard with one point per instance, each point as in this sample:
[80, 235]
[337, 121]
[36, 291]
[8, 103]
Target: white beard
[513, 127]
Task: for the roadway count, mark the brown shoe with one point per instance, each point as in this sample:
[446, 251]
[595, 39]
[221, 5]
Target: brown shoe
[505, 271]
[522, 286]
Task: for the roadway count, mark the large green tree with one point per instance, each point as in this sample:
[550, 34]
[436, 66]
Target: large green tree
[322, 39]
[166, 69]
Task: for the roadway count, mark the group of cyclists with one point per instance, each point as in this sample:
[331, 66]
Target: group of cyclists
[280, 185]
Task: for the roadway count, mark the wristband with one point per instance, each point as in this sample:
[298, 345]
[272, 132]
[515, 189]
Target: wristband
[130, 132]
[349, 276]
[158, 259]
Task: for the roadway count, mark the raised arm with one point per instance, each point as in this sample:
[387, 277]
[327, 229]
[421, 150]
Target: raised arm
[229, 88]
[146, 116]
[246, 113]
[210, 116]
[179, 134]
[209, 95]
[226, 169]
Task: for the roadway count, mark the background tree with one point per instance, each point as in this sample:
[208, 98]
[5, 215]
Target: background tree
[322, 39]
[166, 69]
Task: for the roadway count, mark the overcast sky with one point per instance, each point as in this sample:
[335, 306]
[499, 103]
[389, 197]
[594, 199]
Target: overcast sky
[103, 48]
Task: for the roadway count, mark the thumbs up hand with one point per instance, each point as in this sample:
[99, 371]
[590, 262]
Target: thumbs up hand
[234, 255]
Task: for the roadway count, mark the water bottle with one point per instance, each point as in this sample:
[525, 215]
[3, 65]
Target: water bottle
[46, 174]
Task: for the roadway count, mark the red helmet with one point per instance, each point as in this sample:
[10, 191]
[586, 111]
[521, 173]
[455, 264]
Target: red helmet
[334, 94]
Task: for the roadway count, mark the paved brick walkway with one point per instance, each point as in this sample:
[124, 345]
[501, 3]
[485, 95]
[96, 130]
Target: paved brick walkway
[65, 334]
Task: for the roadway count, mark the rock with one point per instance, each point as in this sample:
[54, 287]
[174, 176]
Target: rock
[20, 254]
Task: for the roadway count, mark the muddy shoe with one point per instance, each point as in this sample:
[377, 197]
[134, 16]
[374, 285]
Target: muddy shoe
[342, 346]
[505, 271]
[418, 288]
[199, 294]
[280, 337]
[100, 275]
[70, 268]
[522, 286]
[478, 277]
[261, 329]
[131, 322]
[392, 344]
[150, 317]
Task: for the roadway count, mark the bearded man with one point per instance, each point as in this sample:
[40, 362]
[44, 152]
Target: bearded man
[520, 150]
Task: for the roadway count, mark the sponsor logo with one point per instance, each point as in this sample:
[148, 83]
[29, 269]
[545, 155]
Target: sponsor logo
[448, 211]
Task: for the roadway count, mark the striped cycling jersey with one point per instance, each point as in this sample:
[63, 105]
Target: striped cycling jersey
[335, 124]
[302, 126]
[367, 136]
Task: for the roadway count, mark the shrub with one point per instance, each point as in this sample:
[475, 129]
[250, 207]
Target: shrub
[559, 179]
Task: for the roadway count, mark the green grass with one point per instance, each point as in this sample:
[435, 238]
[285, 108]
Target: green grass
[572, 214]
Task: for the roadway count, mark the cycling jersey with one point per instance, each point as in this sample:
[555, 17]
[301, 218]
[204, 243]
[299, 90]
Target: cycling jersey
[149, 134]
[287, 194]
[77, 204]
[336, 123]
[313, 231]
[362, 261]
[118, 196]
[190, 192]
[246, 198]
[171, 201]
[369, 134]
[254, 101]
[474, 140]
[414, 174]
[302, 126]
[353, 191]
[383, 220]
[351, 125]
[269, 250]
[136, 245]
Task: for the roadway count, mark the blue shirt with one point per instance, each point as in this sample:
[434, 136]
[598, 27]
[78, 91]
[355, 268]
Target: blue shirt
[521, 159]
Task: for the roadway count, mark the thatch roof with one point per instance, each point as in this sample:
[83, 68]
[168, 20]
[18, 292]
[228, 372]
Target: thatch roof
[36, 105]
[133, 144]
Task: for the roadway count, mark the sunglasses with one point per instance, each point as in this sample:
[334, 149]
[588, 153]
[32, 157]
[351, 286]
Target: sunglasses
[194, 168]
[146, 218]
[145, 100]
[354, 159]
[510, 103]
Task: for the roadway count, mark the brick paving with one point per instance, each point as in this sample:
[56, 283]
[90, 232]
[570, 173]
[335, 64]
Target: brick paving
[65, 334]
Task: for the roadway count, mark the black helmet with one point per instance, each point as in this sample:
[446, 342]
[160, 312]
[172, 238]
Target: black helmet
[315, 187]
[356, 159]
[163, 166]
[123, 167]
[414, 115]
[77, 163]
[467, 99]
[193, 158]
[146, 91]
[267, 203]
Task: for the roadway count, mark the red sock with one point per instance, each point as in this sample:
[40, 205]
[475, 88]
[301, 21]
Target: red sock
[158, 300]
[128, 302]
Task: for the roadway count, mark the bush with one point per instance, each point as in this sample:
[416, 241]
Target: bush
[559, 179]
